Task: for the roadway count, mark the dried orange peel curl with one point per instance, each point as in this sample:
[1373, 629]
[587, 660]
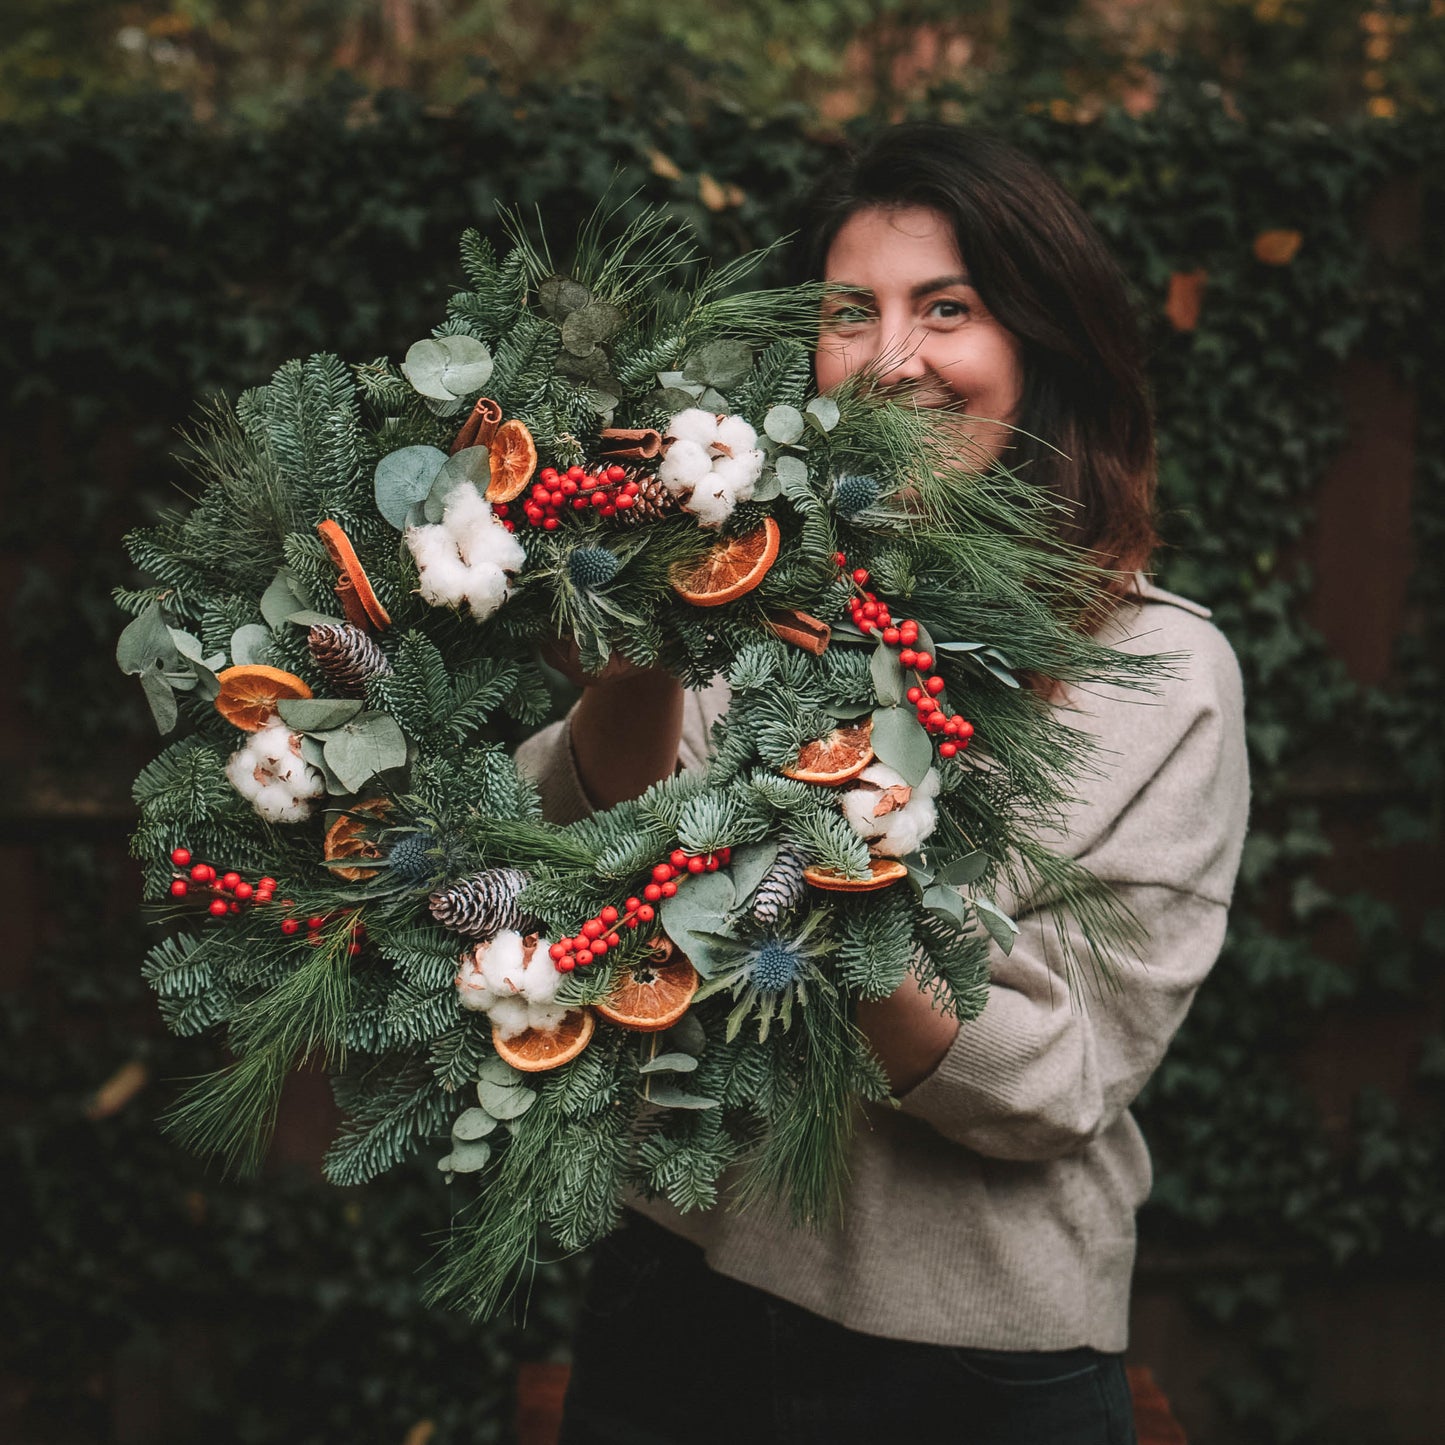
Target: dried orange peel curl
[730, 570]
[358, 598]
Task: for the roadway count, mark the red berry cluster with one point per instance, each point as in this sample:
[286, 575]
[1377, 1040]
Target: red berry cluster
[869, 616]
[231, 891]
[608, 489]
[316, 923]
[599, 934]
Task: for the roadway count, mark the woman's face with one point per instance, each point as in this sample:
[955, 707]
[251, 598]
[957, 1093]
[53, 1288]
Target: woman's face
[911, 316]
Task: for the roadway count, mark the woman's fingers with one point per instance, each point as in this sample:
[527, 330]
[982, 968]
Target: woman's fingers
[562, 653]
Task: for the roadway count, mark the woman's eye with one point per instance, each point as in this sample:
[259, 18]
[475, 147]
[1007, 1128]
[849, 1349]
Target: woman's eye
[948, 310]
[848, 315]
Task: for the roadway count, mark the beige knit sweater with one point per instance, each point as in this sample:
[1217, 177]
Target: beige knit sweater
[996, 1207]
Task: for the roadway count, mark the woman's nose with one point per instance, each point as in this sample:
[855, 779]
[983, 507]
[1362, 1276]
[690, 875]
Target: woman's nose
[899, 356]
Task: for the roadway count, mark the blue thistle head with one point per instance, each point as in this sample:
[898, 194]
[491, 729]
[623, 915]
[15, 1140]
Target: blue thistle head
[775, 966]
[592, 566]
[852, 494]
[408, 858]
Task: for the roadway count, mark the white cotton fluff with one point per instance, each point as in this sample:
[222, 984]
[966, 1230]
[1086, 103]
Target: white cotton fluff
[712, 464]
[907, 814]
[468, 558]
[271, 773]
[513, 981]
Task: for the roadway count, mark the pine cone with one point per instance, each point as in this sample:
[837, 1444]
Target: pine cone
[652, 501]
[782, 887]
[347, 656]
[483, 905]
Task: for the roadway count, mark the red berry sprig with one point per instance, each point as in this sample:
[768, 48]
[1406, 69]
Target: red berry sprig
[869, 616]
[599, 933]
[230, 892]
[607, 489]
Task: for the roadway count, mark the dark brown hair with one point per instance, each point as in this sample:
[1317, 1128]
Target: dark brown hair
[1086, 430]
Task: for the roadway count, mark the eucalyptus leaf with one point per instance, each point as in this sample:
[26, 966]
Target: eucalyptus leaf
[687, 1036]
[425, 363]
[993, 669]
[505, 1101]
[918, 870]
[560, 296]
[471, 464]
[675, 398]
[900, 741]
[823, 413]
[784, 424]
[145, 642]
[792, 471]
[945, 901]
[590, 326]
[188, 645]
[714, 401]
[307, 618]
[496, 1070]
[283, 597]
[160, 697]
[250, 644]
[849, 711]
[767, 487]
[718, 363]
[469, 365]
[669, 1064]
[959, 646]
[1001, 928]
[403, 478]
[699, 908]
[315, 754]
[750, 863]
[963, 871]
[370, 744]
[671, 1097]
[467, 1156]
[473, 1124]
[316, 714]
[204, 679]
[888, 680]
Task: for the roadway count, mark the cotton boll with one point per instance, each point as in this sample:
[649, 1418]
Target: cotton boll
[513, 981]
[684, 466]
[270, 773]
[882, 808]
[696, 425]
[468, 558]
[511, 1016]
[736, 435]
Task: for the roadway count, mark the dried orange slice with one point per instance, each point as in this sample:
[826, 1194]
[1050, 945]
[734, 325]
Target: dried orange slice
[732, 568]
[349, 837]
[249, 694]
[885, 871]
[842, 755]
[652, 995]
[513, 458]
[534, 1050]
[362, 606]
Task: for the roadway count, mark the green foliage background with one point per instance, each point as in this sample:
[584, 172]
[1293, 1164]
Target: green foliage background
[149, 259]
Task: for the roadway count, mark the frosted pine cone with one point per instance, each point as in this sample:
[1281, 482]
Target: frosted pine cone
[782, 886]
[652, 501]
[483, 905]
[347, 656]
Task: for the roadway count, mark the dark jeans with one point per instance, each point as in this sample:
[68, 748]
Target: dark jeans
[668, 1352]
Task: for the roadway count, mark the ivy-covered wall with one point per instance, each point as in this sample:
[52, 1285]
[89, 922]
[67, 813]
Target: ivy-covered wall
[1292, 282]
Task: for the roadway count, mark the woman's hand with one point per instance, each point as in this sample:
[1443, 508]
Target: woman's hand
[626, 726]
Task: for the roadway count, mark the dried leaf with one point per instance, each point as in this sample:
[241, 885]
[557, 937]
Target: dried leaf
[118, 1090]
[1186, 295]
[1277, 248]
[891, 799]
[712, 193]
[664, 166]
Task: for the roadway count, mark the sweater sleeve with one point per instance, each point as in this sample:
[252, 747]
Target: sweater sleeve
[1042, 1071]
[547, 759]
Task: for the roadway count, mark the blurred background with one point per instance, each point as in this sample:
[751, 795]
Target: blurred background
[193, 192]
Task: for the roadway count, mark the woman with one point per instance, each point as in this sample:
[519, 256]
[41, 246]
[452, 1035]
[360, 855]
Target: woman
[977, 1287]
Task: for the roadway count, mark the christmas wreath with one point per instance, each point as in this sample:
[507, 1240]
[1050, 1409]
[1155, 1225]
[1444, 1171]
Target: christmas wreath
[347, 622]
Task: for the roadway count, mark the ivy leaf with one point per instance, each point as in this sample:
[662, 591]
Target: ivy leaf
[404, 478]
[899, 741]
[316, 714]
[1001, 928]
[370, 744]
